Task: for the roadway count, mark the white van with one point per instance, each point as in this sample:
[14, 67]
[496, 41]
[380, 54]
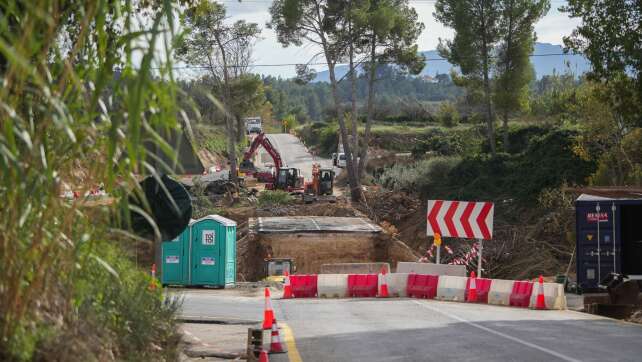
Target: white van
[341, 160]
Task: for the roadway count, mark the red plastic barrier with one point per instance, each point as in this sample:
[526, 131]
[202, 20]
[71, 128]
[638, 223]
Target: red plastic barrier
[304, 286]
[422, 285]
[521, 294]
[363, 285]
[482, 286]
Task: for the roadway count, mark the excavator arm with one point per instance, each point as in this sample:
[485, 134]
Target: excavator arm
[262, 140]
[247, 165]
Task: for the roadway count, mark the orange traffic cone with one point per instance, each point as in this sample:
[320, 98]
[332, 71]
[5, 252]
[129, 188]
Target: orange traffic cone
[275, 341]
[541, 301]
[383, 291]
[287, 288]
[152, 284]
[263, 357]
[268, 314]
[472, 288]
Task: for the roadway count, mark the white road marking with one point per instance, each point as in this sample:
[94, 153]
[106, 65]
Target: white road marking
[315, 223]
[498, 333]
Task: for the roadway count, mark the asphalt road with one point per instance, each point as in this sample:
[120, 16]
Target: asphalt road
[428, 330]
[221, 305]
[295, 154]
[420, 330]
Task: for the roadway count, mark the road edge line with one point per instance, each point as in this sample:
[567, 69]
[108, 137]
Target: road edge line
[498, 333]
[288, 336]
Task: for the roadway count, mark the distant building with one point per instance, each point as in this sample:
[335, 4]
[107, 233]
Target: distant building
[429, 79]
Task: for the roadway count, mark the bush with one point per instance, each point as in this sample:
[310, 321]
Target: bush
[519, 137]
[274, 197]
[448, 142]
[548, 162]
[420, 177]
[448, 115]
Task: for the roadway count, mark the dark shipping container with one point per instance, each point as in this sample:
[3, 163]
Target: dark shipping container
[609, 238]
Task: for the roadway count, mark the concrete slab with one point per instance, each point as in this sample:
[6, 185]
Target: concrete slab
[313, 224]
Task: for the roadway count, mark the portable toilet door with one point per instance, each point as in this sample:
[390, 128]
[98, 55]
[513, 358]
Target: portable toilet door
[174, 259]
[206, 240]
[229, 226]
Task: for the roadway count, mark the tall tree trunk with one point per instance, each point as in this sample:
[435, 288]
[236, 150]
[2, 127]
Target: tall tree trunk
[229, 121]
[353, 181]
[372, 73]
[354, 117]
[240, 128]
[355, 187]
[509, 54]
[487, 95]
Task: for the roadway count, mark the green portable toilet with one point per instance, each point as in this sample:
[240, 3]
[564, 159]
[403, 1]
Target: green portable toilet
[213, 251]
[175, 259]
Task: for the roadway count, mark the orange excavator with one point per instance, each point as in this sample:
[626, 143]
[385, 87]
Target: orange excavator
[286, 179]
[322, 184]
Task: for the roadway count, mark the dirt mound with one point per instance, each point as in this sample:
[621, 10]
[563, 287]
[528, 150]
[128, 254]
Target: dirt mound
[386, 247]
[400, 214]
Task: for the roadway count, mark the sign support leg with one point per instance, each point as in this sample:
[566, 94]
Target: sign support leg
[599, 264]
[479, 258]
[438, 253]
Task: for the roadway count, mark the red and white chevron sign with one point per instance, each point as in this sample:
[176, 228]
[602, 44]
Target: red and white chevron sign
[460, 219]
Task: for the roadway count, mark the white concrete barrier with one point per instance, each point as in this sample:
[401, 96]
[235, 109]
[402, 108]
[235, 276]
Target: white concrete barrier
[397, 283]
[332, 285]
[553, 296]
[500, 291]
[353, 268]
[451, 288]
[432, 269]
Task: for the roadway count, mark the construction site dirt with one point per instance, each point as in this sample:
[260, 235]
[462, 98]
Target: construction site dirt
[347, 236]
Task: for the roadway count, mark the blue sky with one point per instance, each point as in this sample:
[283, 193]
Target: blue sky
[550, 29]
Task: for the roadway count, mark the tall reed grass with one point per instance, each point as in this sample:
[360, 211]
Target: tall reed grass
[85, 84]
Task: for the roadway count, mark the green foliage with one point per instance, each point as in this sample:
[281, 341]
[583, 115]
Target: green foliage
[313, 101]
[547, 161]
[289, 122]
[269, 198]
[389, 32]
[607, 137]
[448, 142]
[610, 37]
[123, 308]
[226, 51]
[76, 112]
[514, 71]
[247, 94]
[476, 24]
[519, 137]
[553, 96]
[426, 176]
[321, 135]
[493, 39]
[448, 115]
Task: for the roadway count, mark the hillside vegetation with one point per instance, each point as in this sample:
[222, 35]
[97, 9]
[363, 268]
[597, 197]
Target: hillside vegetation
[567, 138]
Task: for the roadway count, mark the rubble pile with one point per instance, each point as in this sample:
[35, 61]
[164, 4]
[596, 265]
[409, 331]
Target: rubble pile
[392, 206]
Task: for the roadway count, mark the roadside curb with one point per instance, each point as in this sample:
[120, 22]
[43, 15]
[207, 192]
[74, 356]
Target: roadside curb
[215, 320]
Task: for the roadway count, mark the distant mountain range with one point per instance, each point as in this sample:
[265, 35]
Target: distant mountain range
[548, 58]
